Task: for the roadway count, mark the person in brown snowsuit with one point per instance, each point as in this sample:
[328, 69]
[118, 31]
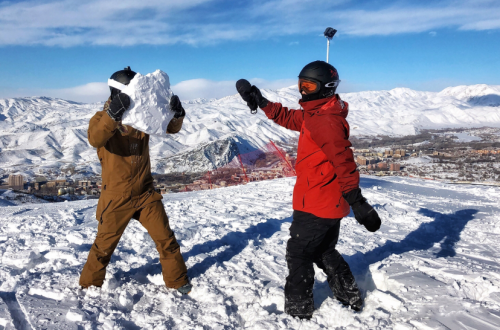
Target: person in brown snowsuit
[127, 189]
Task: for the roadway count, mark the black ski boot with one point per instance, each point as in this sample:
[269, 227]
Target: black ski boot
[185, 289]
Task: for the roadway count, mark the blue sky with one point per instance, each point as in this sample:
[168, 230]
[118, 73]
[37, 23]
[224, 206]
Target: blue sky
[69, 48]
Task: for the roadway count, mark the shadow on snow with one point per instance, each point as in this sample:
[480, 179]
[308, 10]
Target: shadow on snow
[233, 244]
[445, 229]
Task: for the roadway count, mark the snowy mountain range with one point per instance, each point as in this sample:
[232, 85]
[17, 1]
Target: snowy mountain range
[41, 132]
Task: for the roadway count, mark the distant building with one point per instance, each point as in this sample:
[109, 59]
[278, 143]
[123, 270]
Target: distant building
[16, 181]
[87, 183]
[485, 152]
[441, 154]
[395, 167]
[382, 166]
[61, 182]
[361, 160]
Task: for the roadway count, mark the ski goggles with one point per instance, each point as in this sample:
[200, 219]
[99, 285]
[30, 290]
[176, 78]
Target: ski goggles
[307, 86]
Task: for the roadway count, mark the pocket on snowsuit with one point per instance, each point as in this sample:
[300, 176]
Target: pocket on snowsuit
[103, 204]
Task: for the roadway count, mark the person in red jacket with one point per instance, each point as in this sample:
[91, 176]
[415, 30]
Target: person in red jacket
[327, 187]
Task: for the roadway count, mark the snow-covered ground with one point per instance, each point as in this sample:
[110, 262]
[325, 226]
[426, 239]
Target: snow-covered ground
[10, 198]
[434, 264]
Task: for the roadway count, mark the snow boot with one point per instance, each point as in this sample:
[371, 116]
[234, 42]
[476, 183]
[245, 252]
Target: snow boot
[185, 289]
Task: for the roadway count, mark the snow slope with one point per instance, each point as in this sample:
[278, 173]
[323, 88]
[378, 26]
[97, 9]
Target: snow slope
[46, 133]
[434, 264]
[403, 111]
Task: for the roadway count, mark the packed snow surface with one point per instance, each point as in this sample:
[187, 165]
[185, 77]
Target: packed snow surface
[44, 132]
[434, 264]
[149, 110]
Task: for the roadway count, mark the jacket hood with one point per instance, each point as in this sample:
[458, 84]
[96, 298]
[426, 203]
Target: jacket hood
[331, 104]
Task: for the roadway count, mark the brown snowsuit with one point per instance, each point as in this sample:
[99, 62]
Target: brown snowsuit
[128, 192]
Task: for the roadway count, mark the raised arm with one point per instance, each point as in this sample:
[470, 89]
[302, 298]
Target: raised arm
[101, 129]
[288, 118]
[103, 124]
[175, 124]
[291, 119]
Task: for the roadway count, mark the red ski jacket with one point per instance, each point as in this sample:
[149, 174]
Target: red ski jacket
[325, 163]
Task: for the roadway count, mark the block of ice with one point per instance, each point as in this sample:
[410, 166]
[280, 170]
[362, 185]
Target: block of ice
[149, 110]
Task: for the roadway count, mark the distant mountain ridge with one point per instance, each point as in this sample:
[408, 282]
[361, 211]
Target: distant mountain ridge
[41, 132]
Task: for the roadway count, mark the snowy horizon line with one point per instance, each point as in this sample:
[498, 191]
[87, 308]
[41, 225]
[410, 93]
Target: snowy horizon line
[235, 94]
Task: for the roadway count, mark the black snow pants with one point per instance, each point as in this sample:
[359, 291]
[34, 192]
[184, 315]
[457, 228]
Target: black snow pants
[313, 240]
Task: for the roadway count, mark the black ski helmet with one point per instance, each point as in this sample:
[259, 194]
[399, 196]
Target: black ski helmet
[323, 74]
[123, 77]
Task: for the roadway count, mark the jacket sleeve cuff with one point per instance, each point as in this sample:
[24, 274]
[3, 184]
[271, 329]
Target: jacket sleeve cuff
[354, 196]
[175, 125]
[267, 109]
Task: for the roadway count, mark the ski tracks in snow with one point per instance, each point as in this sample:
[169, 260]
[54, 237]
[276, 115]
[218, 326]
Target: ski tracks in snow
[434, 264]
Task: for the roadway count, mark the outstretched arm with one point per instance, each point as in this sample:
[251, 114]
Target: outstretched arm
[291, 119]
[288, 118]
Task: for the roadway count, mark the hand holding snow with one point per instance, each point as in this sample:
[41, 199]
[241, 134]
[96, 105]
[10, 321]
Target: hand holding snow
[149, 110]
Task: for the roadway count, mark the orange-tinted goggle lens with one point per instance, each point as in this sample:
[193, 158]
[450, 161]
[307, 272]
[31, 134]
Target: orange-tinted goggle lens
[307, 86]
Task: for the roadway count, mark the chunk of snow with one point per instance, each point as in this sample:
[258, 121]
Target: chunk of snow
[149, 110]
[75, 315]
[49, 294]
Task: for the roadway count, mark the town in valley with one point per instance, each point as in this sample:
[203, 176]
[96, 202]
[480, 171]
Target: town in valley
[455, 156]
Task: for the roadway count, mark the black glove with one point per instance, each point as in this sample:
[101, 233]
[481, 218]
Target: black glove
[118, 105]
[251, 95]
[363, 212]
[176, 107]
